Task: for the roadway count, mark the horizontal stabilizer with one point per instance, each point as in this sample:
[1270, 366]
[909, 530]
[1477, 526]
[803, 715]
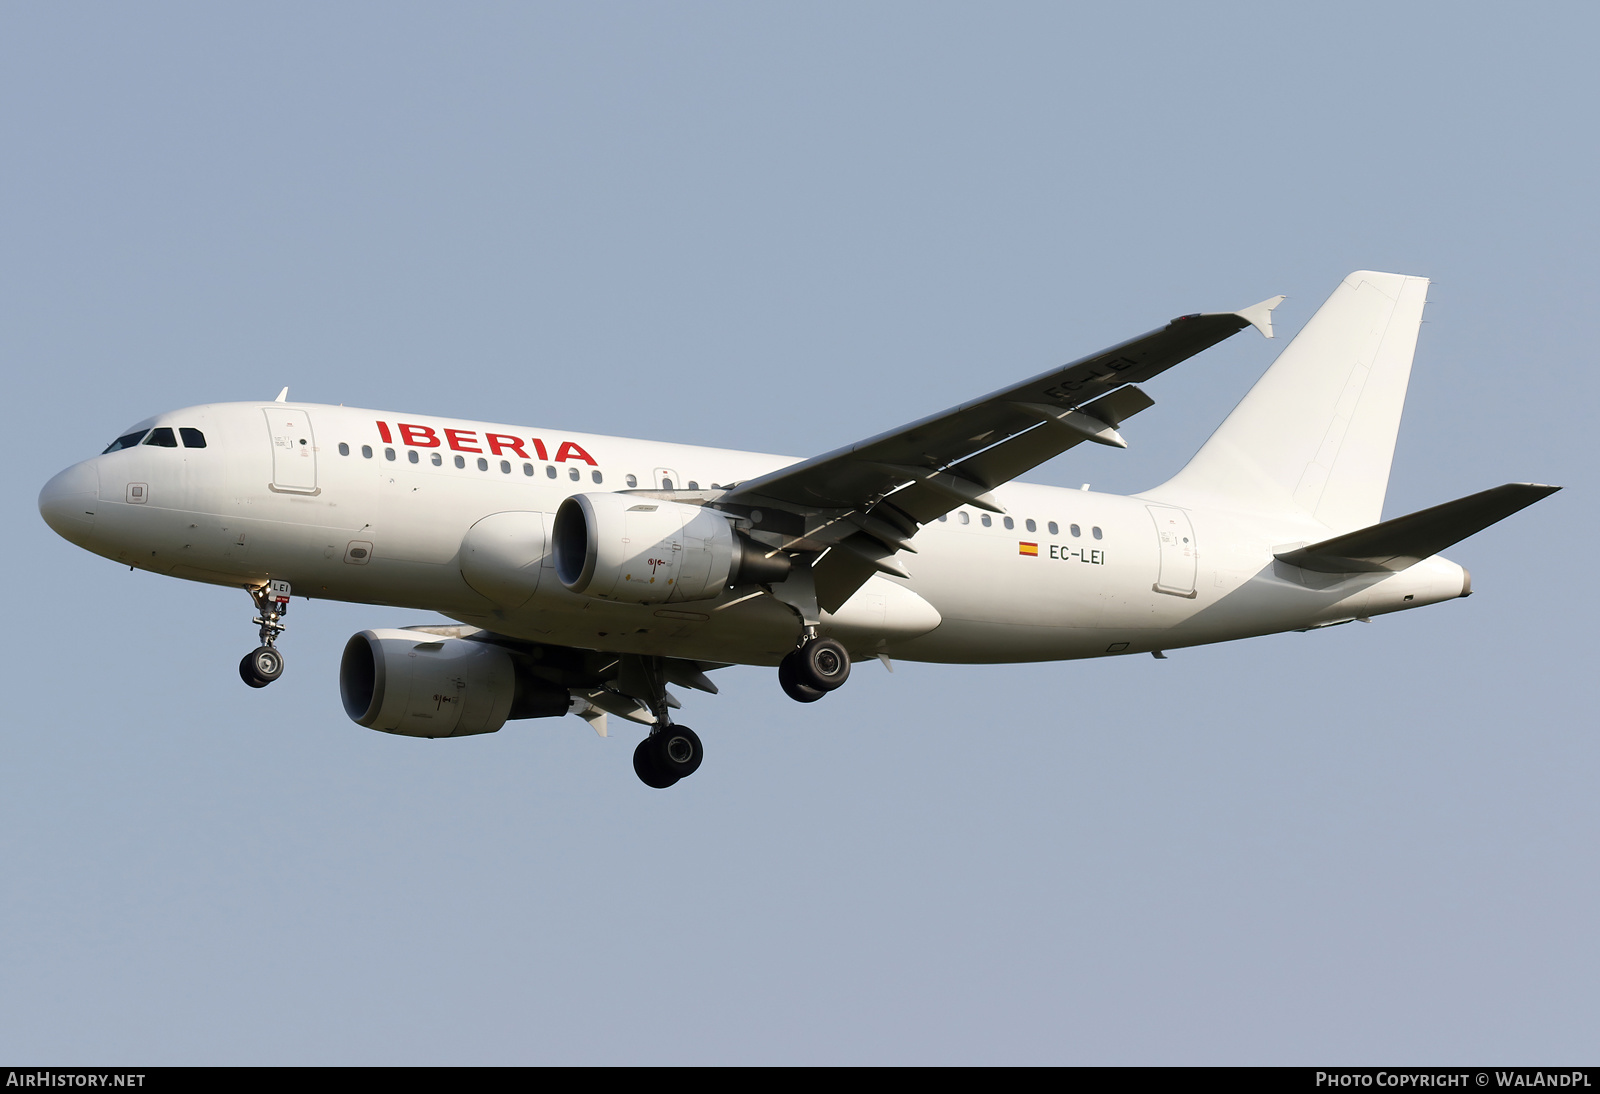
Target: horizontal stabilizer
[1405, 541]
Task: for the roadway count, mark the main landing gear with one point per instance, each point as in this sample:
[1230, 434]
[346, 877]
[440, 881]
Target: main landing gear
[816, 667]
[671, 752]
[264, 664]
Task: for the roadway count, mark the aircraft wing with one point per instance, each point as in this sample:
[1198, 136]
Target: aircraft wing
[866, 500]
[851, 476]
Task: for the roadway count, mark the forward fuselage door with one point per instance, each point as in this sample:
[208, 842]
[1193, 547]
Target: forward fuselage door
[1178, 555]
[294, 450]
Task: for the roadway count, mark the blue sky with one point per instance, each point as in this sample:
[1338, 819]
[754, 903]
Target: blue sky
[785, 229]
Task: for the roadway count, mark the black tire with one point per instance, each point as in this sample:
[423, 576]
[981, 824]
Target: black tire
[822, 663]
[247, 672]
[792, 687]
[644, 766]
[676, 751]
[266, 664]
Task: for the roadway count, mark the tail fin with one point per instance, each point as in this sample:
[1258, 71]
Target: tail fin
[1316, 434]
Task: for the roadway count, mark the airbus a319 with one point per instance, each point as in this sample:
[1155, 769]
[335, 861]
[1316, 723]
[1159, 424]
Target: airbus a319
[588, 573]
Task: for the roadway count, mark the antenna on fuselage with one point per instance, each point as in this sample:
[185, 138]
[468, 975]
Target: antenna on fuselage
[283, 396]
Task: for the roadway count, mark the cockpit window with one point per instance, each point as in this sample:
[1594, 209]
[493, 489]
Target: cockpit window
[162, 437]
[126, 442]
[192, 438]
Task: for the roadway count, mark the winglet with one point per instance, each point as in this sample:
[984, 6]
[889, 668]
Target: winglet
[1259, 315]
[283, 396]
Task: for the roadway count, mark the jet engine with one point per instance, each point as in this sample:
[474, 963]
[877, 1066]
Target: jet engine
[421, 685]
[644, 551]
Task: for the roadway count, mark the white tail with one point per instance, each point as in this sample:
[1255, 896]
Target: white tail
[1316, 434]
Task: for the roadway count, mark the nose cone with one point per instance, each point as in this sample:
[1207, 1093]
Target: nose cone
[69, 500]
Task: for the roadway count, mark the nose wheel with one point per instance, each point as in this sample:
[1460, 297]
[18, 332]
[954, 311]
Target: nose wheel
[264, 664]
[261, 666]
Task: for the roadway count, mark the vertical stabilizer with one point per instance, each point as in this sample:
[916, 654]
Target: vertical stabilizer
[1316, 434]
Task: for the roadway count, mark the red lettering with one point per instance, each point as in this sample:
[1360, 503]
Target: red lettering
[500, 443]
[456, 437]
[419, 436]
[383, 431]
[538, 448]
[570, 448]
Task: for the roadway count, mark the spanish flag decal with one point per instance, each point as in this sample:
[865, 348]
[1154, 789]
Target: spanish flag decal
[1029, 549]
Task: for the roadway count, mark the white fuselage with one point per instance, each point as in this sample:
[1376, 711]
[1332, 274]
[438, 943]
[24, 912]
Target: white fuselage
[372, 507]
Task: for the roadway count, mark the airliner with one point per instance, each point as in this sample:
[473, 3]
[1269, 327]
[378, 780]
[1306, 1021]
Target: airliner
[585, 573]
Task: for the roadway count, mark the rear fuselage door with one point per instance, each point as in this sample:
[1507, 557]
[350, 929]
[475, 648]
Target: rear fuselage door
[1178, 555]
[294, 450]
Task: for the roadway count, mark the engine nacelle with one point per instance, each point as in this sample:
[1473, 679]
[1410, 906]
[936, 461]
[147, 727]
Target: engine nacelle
[640, 550]
[421, 685]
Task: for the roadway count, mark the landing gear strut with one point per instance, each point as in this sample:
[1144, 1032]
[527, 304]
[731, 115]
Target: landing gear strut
[264, 664]
[816, 667]
[671, 752]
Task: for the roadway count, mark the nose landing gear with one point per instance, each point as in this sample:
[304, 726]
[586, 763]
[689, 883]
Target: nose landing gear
[264, 664]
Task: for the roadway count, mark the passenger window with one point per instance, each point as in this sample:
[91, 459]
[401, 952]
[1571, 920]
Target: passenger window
[344, 449]
[633, 480]
[1009, 523]
[1032, 527]
[988, 521]
[461, 461]
[527, 469]
[505, 467]
[944, 516]
[483, 464]
[596, 476]
[438, 460]
[125, 442]
[162, 438]
[192, 438]
[1076, 530]
[693, 485]
[1096, 531]
[549, 470]
[411, 454]
[1055, 529]
[666, 484]
[572, 473]
[366, 451]
[388, 454]
[964, 518]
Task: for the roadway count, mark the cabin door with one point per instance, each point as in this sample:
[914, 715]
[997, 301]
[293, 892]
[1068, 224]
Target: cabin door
[294, 450]
[1179, 557]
